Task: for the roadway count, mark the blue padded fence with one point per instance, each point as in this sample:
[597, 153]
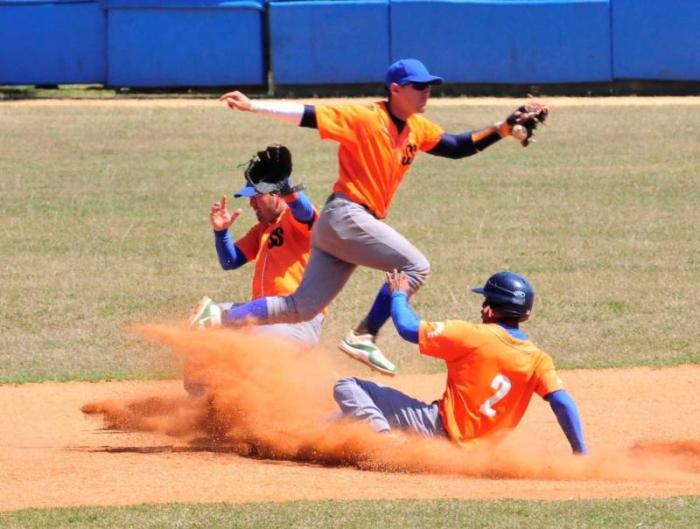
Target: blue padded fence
[52, 42]
[185, 43]
[657, 40]
[177, 43]
[329, 42]
[506, 42]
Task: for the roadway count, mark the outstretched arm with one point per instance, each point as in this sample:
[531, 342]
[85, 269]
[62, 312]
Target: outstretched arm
[565, 409]
[294, 113]
[520, 124]
[405, 319]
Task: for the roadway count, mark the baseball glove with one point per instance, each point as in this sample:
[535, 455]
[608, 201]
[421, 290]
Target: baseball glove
[269, 171]
[524, 120]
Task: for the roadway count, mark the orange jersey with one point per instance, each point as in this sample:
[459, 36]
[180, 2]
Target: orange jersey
[280, 252]
[491, 376]
[373, 156]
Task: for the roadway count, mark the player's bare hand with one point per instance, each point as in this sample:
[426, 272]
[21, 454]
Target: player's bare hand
[221, 218]
[398, 282]
[236, 100]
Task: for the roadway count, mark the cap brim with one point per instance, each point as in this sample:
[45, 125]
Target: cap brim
[246, 191]
[430, 79]
[479, 290]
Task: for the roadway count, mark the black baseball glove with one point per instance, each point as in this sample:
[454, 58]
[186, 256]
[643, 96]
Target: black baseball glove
[269, 171]
[524, 120]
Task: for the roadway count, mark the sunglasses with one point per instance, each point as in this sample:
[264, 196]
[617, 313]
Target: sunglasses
[419, 86]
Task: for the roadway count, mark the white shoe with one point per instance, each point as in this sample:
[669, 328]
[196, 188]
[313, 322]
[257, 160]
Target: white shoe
[362, 347]
[205, 314]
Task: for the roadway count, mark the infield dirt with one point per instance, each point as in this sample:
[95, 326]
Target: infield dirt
[266, 436]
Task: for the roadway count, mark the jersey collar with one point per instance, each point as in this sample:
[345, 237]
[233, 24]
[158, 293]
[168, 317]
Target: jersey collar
[515, 333]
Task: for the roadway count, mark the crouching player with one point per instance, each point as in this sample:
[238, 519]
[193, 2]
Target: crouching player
[492, 371]
[278, 246]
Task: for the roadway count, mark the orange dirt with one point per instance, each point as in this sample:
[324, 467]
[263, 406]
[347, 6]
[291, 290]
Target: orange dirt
[146, 442]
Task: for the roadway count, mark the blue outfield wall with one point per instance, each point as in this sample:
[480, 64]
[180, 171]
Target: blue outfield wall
[178, 43]
[52, 42]
[657, 40]
[536, 41]
[329, 42]
[151, 43]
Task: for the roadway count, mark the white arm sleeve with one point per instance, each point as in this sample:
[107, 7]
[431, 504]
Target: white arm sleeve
[289, 112]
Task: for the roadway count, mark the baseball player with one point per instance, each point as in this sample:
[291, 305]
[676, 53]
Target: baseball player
[377, 145]
[278, 244]
[492, 371]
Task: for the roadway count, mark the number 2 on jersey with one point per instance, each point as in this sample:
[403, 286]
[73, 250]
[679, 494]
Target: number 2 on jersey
[501, 384]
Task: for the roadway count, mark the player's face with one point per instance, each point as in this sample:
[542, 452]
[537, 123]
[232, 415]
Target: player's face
[267, 207]
[409, 99]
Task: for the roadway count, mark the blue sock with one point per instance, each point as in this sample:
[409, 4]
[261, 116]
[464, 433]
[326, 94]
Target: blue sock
[238, 314]
[380, 311]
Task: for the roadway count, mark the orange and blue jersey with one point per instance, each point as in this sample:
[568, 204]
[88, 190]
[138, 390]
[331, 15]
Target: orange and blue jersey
[492, 372]
[374, 155]
[491, 376]
[280, 251]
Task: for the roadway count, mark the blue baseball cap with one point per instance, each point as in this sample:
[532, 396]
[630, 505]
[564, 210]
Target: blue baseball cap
[407, 71]
[246, 191]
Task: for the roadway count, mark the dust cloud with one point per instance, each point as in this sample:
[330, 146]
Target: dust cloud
[265, 397]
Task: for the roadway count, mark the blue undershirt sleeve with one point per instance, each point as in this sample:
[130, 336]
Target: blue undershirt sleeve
[466, 144]
[230, 257]
[302, 208]
[565, 409]
[454, 146]
[406, 321]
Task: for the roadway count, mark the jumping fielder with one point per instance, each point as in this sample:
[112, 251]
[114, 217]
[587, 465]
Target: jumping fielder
[492, 371]
[377, 144]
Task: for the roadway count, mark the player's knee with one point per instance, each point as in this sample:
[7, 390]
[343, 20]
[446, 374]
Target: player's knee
[418, 274]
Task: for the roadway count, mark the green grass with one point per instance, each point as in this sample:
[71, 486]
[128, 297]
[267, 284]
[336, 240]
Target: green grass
[672, 513]
[104, 223]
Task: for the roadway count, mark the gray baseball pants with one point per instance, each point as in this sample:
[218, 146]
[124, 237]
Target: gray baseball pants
[306, 332]
[384, 407]
[346, 235]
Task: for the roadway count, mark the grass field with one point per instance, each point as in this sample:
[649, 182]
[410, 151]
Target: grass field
[674, 513]
[104, 224]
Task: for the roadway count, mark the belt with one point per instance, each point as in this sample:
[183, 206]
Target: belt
[333, 196]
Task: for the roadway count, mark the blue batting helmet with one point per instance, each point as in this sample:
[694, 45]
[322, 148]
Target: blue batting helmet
[509, 294]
